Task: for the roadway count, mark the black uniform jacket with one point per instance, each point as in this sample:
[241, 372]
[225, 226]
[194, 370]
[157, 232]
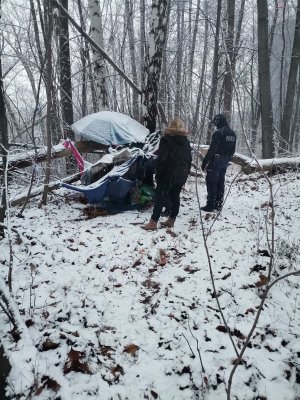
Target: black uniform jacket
[222, 143]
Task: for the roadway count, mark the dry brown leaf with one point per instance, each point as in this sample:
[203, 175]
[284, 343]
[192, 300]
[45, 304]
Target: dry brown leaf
[263, 280]
[74, 364]
[49, 345]
[131, 349]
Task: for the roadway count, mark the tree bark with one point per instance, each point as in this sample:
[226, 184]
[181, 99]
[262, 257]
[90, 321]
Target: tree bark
[268, 148]
[157, 40]
[228, 87]
[285, 139]
[98, 59]
[3, 146]
[65, 73]
[214, 80]
[49, 31]
[135, 99]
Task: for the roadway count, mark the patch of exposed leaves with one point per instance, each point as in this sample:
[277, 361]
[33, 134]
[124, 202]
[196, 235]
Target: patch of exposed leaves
[47, 383]
[74, 363]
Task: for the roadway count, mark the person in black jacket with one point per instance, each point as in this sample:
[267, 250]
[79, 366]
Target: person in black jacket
[216, 161]
[173, 166]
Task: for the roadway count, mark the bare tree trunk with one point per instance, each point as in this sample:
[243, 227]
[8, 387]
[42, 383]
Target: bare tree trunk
[99, 64]
[268, 148]
[83, 56]
[135, 97]
[49, 31]
[228, 87]
[3, 146]
[179, 57]
[65, 73]
[285, 139]
[295, 131]
[142, 40]
[214, 80]
[156, 45]
[200, 87]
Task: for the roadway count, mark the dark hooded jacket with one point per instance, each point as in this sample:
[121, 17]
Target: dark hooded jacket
[174, 159]
[223, 144]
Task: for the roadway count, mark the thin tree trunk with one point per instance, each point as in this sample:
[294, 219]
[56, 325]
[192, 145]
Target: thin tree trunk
[285, 140]
[3, 146]
[179, 57]
[83, 56]
[281, 84]
[214, 80]
[203, 68]
[65, 74]
[135, 99]
[142, 40]
[268, 148]
[295, 131]
[49, 32]
[228, 86]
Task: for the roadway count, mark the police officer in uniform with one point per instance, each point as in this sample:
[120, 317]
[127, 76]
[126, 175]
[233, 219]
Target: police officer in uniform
[216, 161]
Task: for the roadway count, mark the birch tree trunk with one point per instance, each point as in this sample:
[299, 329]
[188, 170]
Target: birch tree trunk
[268, 148]
[157, 40]
[99, 62]
[83, 56]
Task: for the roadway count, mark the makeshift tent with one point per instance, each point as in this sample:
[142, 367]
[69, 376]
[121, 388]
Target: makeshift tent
[123, 184]
[110, 128]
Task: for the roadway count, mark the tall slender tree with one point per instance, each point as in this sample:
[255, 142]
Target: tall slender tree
[98, 59]
[156, 44]
[285, 139]
[4, 144]
[65, 73]
[268, 147]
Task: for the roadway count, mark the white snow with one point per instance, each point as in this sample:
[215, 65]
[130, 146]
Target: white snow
[137, 304]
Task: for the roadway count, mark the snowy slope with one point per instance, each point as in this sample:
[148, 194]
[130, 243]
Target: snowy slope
[114, 312]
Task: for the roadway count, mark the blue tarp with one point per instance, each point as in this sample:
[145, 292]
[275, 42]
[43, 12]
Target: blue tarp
[112, 185]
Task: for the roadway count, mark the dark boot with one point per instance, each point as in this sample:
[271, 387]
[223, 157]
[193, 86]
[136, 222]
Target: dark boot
[169, 223]
[207, 208]
[151, 226]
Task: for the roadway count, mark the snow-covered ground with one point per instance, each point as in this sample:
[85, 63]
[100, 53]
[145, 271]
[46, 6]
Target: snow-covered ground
[114, 312]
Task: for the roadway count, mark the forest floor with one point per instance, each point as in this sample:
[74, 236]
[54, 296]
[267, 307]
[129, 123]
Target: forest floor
[110, 311]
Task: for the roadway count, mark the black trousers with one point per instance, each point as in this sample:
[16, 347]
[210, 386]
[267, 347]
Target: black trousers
[162, 191]
[215, 181]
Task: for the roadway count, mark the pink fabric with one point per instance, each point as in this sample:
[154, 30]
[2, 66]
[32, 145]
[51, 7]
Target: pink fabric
[67, 143]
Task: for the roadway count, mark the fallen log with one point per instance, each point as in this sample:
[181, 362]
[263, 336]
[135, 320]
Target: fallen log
[39, 190]
[272, 165]
[27, 158]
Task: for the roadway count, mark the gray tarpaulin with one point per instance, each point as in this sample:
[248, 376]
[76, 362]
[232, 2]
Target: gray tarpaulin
[110, 128]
